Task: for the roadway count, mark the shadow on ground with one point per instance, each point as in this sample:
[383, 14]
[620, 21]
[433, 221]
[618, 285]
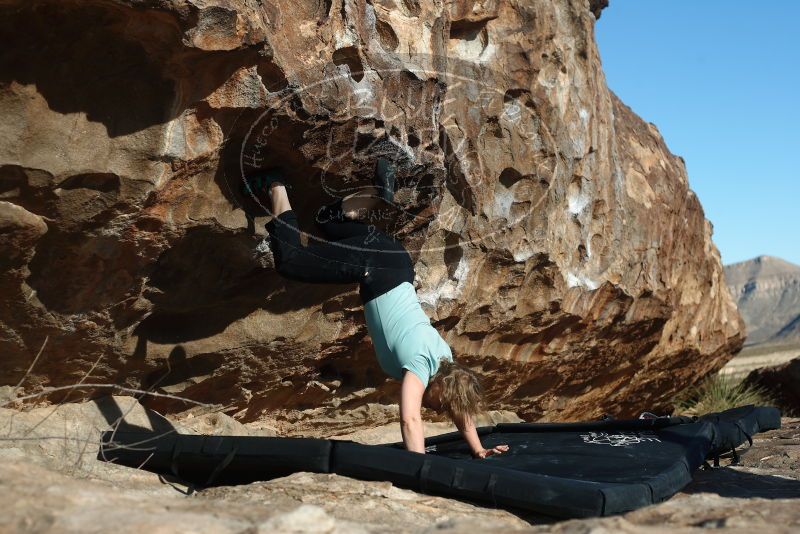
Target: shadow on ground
[734, 482]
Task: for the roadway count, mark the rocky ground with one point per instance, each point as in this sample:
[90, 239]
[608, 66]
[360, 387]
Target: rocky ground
[50, 481]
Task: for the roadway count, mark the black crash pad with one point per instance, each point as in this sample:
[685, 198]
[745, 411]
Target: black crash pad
[557, 469]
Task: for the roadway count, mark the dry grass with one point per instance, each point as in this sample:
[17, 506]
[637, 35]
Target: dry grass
[718, 393]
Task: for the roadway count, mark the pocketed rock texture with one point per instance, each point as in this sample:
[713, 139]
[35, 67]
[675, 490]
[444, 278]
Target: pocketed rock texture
[557, 244]
[51, 481]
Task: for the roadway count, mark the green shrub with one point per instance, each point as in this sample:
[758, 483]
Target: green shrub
[718, 393]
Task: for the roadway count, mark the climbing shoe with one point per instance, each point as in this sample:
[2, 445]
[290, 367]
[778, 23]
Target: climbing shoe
[262, 179]
[384, 179]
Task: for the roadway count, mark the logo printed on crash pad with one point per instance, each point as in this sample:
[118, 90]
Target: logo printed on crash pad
[619, 439]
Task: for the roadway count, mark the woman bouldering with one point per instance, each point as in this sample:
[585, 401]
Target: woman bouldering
[408, 348]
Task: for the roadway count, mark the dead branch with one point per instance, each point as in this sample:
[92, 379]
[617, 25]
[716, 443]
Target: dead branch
[49, 390]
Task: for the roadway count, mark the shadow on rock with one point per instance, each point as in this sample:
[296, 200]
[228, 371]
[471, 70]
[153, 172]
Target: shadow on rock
[114, 73]
[209, 279]
[115, 417]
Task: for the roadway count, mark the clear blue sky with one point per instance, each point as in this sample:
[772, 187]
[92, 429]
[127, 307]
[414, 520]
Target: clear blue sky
[721, 80]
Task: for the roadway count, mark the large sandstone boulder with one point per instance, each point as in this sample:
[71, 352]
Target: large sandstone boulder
[557, 244]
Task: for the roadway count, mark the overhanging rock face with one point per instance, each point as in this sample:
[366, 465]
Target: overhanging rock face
[557, 244]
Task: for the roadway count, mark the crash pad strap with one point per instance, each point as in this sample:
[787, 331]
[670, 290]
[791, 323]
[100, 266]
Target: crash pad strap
[458, 477]
[222, 465]
[423, 474]
[173, 466]
[748, 436]
[490, 487]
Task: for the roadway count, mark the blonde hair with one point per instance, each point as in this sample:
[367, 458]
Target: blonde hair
[462, 393]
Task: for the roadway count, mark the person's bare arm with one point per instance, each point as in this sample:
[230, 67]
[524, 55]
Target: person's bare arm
[411, 392]
[466, 426]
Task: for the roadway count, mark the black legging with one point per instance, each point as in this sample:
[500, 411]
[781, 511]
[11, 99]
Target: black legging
[355, 252]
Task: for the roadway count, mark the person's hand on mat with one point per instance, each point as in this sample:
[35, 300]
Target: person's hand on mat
[494, 451]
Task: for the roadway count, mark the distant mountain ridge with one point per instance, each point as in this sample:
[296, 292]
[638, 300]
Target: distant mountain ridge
[767, 291]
